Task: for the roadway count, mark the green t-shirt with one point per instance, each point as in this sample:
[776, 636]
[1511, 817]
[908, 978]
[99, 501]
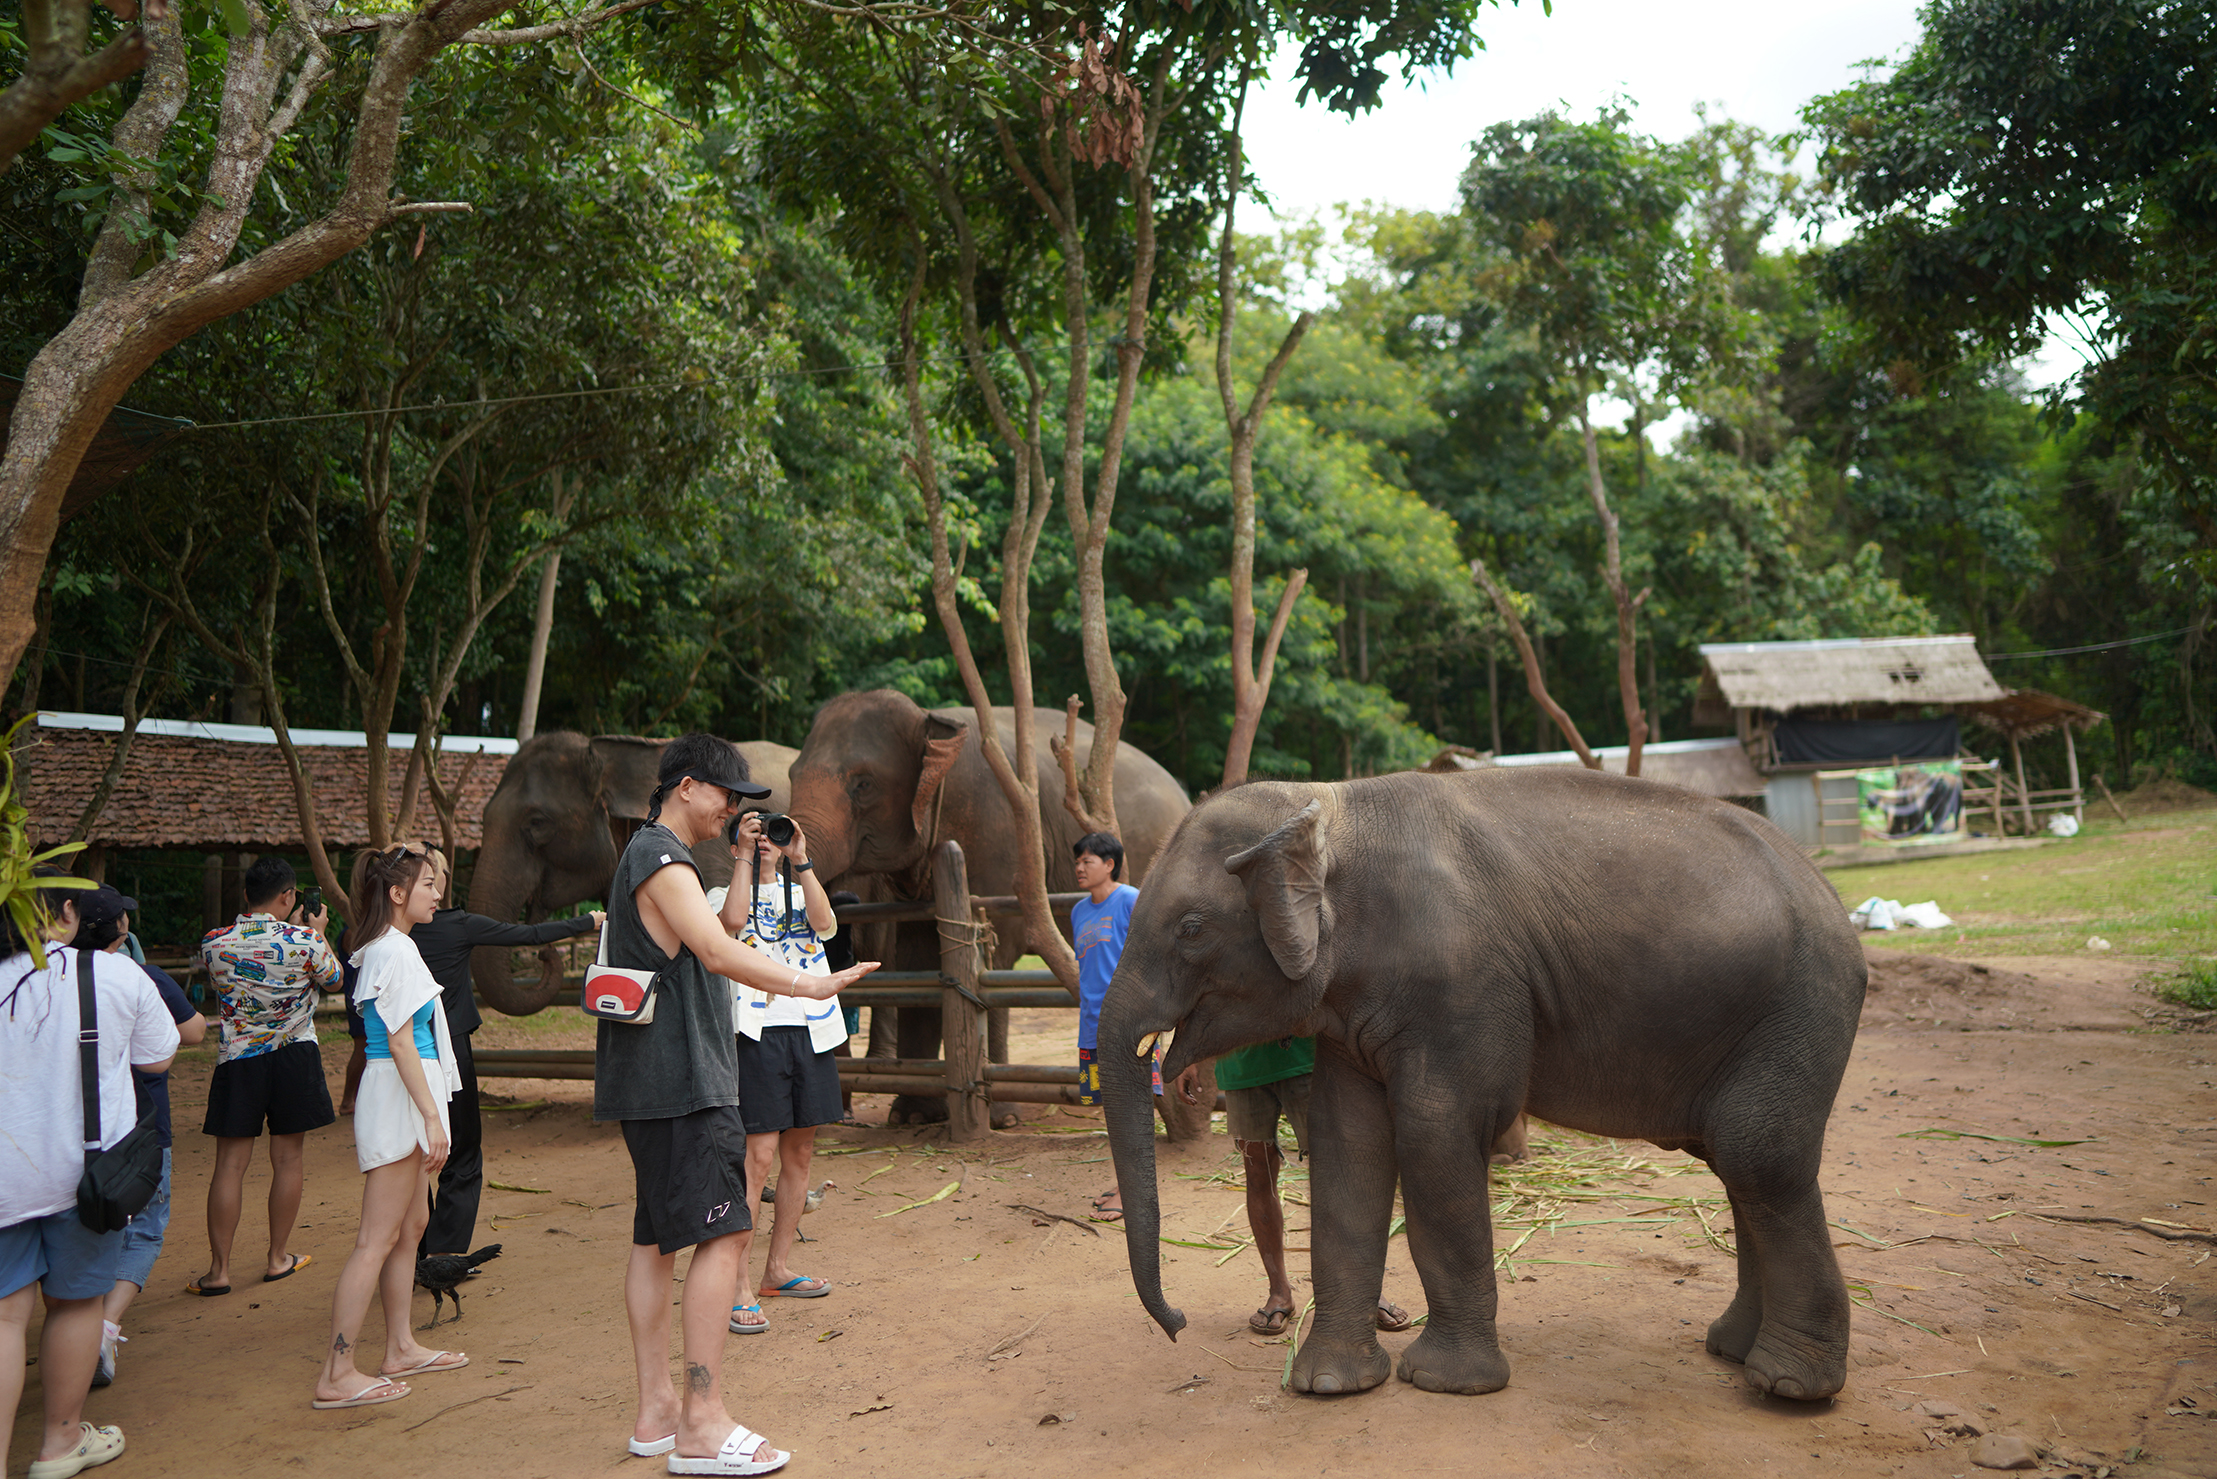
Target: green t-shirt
[1266, 1063]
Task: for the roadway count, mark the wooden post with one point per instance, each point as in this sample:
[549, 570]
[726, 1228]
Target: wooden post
[963, 1022]
[2024, 796]
[2070, 759]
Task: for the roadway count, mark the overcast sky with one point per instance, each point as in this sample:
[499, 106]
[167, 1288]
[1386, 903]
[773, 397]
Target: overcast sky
[1757, 61]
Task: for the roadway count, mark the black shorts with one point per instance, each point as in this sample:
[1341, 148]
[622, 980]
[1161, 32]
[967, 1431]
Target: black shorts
[785, 1084]
[286, 1087]
[691, 1177]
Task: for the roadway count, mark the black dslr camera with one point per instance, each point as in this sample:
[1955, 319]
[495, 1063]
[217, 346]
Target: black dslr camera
[777, 828]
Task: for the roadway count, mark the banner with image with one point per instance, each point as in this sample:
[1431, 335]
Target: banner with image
[1903, 805]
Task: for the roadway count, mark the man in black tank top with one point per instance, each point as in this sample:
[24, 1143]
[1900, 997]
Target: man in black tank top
[673, 1085]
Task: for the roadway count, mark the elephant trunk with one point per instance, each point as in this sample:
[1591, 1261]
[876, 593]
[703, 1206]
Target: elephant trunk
[490, 968]
[819, 804]
[1127, 1082]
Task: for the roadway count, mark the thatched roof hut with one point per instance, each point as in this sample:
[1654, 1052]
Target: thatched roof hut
[1852, 673]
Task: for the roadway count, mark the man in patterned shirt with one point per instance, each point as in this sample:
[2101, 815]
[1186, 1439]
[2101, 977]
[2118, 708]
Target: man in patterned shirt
[265, 974]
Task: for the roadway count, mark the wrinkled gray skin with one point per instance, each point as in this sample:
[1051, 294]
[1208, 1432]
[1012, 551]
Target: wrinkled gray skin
[566, 805]
[879, 781]
[1618, 956]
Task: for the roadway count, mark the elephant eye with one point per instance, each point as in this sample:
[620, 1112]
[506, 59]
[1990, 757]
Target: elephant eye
[860, 785]
[1189, 928]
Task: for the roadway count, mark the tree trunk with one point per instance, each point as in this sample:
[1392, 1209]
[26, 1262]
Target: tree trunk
[124, 323]
[542, 621]
[1250, 680]
[1628, 605]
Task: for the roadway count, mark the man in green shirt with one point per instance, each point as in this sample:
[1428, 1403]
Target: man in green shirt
[1261, 1084]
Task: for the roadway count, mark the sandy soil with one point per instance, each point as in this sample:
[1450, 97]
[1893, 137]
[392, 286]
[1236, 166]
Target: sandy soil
[966, 1338]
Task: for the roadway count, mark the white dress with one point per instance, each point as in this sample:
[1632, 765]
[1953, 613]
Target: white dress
[393, 980]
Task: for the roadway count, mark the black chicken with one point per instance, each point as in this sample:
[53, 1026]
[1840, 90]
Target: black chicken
[442, 1273]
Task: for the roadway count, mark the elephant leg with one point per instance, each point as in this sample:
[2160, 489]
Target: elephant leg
[1732, 1334]
[1445, 1197]
[885, 1033]
[1351, 1190]
[996, 1034]
[919, 1038]
[1793, 1291]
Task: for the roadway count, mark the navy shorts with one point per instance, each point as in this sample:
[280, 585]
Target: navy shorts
[284, 1087]
[785, 1084]
[690, 1177]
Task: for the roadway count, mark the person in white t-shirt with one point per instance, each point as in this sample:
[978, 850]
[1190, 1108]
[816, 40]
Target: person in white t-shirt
[788, 1078]
[43, 1245]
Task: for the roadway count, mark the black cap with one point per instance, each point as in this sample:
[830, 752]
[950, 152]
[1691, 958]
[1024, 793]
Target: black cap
[726, 776]
[96, 906]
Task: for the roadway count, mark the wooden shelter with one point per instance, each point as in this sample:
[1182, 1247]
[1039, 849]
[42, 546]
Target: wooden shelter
[225, 787]
[2027, 713]
[1814, 715]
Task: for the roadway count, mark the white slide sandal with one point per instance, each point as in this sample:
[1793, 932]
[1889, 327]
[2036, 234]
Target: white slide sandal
[737, 1456]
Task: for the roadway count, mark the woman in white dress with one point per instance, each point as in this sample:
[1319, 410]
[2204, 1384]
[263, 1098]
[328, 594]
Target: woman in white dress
[400, 1130]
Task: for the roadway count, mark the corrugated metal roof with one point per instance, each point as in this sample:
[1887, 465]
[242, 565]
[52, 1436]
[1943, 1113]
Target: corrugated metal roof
[1714, 767]
[1785, 676]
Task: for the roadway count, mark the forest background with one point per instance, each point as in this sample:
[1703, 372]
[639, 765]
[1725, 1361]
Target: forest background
[667, 347]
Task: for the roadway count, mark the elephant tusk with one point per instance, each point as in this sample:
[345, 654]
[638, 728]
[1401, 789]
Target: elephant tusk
[1147, 1045]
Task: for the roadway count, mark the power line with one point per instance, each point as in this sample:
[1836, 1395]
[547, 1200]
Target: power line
[2090, 647]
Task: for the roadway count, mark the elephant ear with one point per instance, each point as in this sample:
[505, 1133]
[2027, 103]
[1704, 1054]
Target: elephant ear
[628, 770]
[943, 742]
[1285, 874]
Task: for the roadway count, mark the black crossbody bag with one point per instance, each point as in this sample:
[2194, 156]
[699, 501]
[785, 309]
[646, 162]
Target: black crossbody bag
[119, 1181]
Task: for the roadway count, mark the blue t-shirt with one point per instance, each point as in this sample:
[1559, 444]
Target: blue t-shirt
[380, 1046]
[153, 1088]
[1098, 931]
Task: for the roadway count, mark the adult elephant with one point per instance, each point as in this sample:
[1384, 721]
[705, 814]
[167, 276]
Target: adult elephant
[881, 781]
[566, 805]
[1622, 957]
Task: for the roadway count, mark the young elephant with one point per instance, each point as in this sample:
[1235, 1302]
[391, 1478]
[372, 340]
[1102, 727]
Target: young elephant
[1614, 955]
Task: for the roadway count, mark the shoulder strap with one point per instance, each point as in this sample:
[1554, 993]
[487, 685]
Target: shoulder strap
[88, 1047]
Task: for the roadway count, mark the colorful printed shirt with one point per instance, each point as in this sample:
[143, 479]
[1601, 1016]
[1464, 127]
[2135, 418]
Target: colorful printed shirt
[265, 974]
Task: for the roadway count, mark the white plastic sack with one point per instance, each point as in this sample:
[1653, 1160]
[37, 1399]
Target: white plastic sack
[2063, 826]
[1875, 913]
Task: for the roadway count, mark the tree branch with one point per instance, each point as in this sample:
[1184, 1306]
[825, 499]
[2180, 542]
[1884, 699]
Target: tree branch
[1532, 678]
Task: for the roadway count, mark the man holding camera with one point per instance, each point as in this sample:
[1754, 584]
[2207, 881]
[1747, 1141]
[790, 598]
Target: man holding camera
[265, 974]
[788, 1078]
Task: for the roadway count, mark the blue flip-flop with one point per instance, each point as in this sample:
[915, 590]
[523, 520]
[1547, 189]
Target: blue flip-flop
[746, 1309]
[787, 1291]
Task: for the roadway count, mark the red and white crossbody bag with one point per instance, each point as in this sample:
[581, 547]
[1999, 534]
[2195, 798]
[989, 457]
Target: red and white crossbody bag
[615, 994]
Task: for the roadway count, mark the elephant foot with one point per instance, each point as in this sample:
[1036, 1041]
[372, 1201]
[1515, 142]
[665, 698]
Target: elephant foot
[915, 1109]
[1430, 1365]
[1732, 1334]
[1006, 1119]
[1784, 1365]
[1326, 1368]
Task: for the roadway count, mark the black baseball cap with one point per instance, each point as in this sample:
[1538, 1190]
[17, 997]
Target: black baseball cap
[103, 905]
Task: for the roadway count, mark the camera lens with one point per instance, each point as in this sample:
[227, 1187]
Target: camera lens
[779, 829]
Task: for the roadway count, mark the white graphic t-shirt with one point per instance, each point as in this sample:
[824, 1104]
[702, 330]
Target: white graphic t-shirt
[784, 936]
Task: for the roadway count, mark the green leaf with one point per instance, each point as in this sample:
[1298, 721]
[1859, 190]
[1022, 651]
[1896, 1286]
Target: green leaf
[235, 19]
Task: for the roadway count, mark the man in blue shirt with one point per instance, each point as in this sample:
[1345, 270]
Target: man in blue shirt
[1099, 923]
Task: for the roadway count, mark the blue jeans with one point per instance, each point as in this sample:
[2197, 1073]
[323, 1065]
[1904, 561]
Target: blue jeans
[142, 1240]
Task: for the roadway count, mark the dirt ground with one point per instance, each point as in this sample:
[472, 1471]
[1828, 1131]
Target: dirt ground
[966, 1338]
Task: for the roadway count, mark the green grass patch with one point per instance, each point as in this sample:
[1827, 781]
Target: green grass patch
[2194, 986]
[2145, 886]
